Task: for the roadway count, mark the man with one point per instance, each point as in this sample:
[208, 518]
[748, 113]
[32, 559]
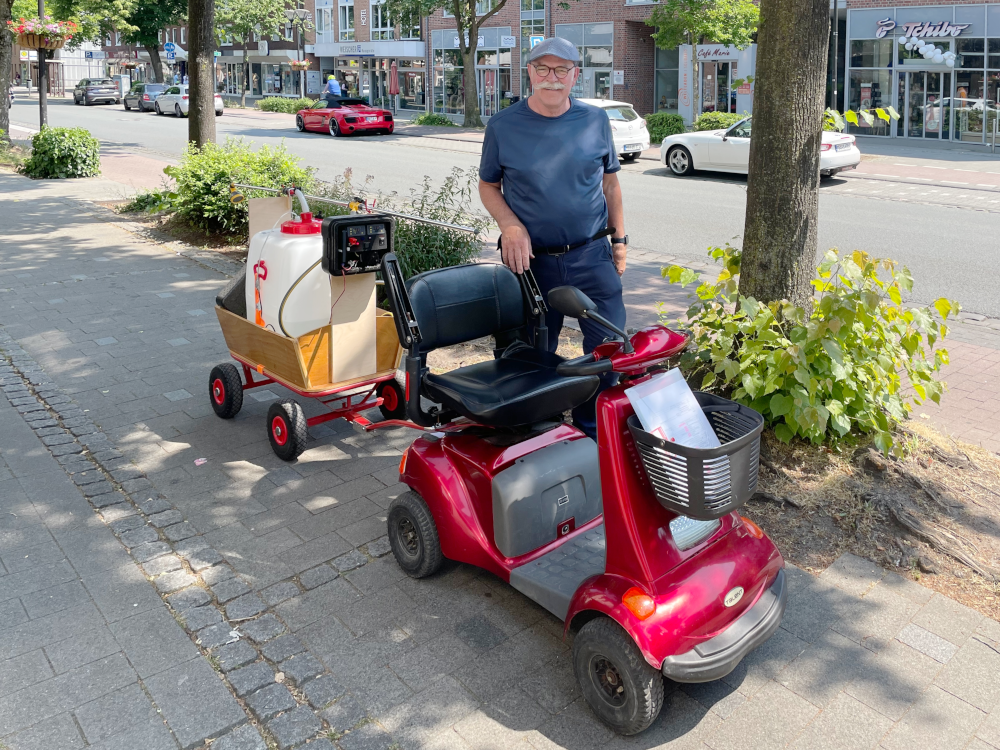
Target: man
[332, 89]
[548, 176]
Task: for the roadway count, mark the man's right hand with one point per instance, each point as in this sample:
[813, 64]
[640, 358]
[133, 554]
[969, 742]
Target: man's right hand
[515, 248]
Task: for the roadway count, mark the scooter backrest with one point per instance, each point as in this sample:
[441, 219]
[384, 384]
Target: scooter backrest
[462, 303]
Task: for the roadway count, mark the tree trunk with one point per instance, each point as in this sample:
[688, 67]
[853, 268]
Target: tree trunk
[779, 239]
[153, 51]
[201, 72]
[246, 77]
[472, 118]
[6, 69]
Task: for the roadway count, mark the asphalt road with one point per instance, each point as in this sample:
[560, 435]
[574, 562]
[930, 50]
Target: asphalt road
[952, 251]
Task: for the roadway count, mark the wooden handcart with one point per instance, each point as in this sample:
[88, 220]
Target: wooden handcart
[302, 366]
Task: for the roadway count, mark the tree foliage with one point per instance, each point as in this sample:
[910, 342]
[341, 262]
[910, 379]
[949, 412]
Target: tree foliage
[239, 20]
[833, 366]
[467, 24]
[694, 21]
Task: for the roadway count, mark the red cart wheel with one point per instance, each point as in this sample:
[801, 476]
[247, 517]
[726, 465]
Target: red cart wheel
[287, 429]
[225, 390]
[393, 404]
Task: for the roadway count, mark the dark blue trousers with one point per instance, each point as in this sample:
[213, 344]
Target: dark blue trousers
[591, 270]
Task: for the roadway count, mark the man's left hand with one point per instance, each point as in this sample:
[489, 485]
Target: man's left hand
[618, 253]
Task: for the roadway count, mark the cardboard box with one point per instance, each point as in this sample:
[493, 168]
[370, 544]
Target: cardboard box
[353, 352]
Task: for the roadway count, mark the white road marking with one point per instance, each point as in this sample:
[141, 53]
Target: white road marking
[900, 164]
[952, 182]
[927, 166]
[984, 184]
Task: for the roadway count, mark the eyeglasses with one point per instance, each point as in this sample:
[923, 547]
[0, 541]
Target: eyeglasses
[561, 71]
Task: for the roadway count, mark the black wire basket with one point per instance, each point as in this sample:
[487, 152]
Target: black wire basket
[705, 483]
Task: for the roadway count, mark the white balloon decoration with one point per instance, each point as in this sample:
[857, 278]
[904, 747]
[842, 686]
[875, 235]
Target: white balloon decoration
[938, 59]
[950, 63]
[903, 40]
[908, 46]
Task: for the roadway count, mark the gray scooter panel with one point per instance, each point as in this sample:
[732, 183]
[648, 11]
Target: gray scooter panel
[540, 492]
[553, 578]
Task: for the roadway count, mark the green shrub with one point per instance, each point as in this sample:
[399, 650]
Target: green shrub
[203, 177]
[284, 104]
[422, 247]
[432, 118]
[148, 201]
[63, 152]
[718, 120]
[663, 124]
[822, 371]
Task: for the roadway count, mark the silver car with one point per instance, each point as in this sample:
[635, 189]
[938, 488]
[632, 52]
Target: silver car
[176, 100]
[92, 90]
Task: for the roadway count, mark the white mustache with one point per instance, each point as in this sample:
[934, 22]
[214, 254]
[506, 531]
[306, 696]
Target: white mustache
[550, 85]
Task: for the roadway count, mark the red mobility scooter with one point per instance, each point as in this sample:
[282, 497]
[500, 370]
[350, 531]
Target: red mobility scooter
[632, 541]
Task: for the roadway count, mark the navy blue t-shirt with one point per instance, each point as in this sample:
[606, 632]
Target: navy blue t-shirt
[552, 169]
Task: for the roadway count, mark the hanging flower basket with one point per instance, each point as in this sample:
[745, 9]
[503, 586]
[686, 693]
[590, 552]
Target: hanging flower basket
[130, 64]
[300, 64]
[42, 33]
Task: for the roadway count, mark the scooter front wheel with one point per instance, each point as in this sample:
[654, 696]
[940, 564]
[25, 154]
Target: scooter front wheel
[413, 536]
[617, 682]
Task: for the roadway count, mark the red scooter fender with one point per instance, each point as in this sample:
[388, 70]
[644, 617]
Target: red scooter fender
[690, 599]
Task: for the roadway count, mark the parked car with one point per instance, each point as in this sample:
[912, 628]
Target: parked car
[628, 129]
[142, 96]
[343, 116]
[729, 151]
[92, 90]
[175, 99]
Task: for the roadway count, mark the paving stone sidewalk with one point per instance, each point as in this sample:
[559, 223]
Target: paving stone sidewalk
[279, 573]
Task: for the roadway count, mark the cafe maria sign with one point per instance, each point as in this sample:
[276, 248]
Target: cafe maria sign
[921, 29]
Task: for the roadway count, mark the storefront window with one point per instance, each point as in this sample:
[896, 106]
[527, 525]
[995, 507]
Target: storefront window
[595, 42]
[271, 83]
[869, 89]
[913, 57]
[872, 53]
[994, 50]
[382, 27]
[971, 53]
[346, 20]
[665, 85]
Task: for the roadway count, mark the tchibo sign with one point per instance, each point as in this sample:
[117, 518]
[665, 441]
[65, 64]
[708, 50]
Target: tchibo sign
[921, 29]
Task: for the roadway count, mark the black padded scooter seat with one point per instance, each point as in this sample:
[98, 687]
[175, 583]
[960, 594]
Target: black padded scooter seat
[463, 303]
[511, 391]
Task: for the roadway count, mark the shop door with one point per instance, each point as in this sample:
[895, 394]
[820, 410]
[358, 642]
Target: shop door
[925, 99]
[489, 92]
[715, 90]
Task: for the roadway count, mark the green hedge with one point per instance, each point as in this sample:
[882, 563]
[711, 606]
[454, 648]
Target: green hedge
[63, 152]
[663, 124]
[432, 118]
[204, 175]
[283, 104]
[718, 120]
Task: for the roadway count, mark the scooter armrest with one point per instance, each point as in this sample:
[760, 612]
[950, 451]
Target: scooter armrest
[585, 365]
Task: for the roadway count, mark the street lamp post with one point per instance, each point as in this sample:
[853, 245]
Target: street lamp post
[299, 18]
[43, 77]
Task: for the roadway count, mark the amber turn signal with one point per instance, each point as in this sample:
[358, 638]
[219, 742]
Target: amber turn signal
[402, 462]
[752, 528]
[639, 603]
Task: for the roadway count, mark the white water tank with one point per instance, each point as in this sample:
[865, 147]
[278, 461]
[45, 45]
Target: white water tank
[277, 259]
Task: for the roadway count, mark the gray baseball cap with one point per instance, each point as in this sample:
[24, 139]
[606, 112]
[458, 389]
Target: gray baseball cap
[562, 48]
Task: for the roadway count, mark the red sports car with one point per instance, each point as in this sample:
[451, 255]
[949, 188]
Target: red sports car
[344, 116]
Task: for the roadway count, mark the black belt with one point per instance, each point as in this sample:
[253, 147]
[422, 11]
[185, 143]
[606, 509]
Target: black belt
[563, 249]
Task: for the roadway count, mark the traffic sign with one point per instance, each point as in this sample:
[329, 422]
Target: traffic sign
[169, 47]
[171, 55]
[536, 39]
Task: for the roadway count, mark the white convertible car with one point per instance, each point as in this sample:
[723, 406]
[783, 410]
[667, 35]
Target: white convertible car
[729, 151]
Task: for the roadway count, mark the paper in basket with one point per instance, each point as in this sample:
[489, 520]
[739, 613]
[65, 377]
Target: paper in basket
[667, 408]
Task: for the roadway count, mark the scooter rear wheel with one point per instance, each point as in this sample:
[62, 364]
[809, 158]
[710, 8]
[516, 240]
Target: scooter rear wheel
[617, 682]
[413, 536]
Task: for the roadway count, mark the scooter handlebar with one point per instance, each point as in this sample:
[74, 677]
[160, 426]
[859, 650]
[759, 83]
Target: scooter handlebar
[585, 365]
